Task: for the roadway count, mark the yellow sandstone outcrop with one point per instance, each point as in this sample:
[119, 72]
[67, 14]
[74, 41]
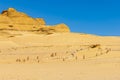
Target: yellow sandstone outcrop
[56, 28]
[13, 20]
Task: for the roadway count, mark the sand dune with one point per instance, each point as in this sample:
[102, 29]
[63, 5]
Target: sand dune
[59, 56]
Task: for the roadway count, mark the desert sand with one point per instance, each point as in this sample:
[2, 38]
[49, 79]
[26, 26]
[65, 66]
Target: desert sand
[58, 56]
[37, 51]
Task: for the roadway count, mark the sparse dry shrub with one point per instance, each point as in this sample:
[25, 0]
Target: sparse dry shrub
[18, 60]
[55, 54]
[72, 54]
[94, 46]
[63, 59]
[28, 58]
[76, 57]
[11, 36]
[77, 50]
[81, 49]
[52, 55]
[37, 57]
[24, 60]
[96, 54]
[66, 51]
[10, 25]
[107, 51]
[38, 61]
[34, 27]
[84, 57]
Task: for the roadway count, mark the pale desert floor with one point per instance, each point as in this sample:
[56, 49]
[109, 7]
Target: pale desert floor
[59, 56]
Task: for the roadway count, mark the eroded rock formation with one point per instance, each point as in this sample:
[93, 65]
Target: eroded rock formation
[13, 20]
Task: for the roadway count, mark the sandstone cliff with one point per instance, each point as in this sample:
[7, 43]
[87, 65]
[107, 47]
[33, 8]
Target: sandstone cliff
[13, 20]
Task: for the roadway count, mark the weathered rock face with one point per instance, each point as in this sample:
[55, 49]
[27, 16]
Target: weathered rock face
[54, 29]
[40, 20]
[14, 20]
[61, 28]
[11, 12]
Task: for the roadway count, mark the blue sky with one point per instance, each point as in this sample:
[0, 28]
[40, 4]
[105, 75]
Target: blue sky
[100, 17]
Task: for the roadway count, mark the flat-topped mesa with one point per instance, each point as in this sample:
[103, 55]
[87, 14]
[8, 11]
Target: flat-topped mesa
[11, 19]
